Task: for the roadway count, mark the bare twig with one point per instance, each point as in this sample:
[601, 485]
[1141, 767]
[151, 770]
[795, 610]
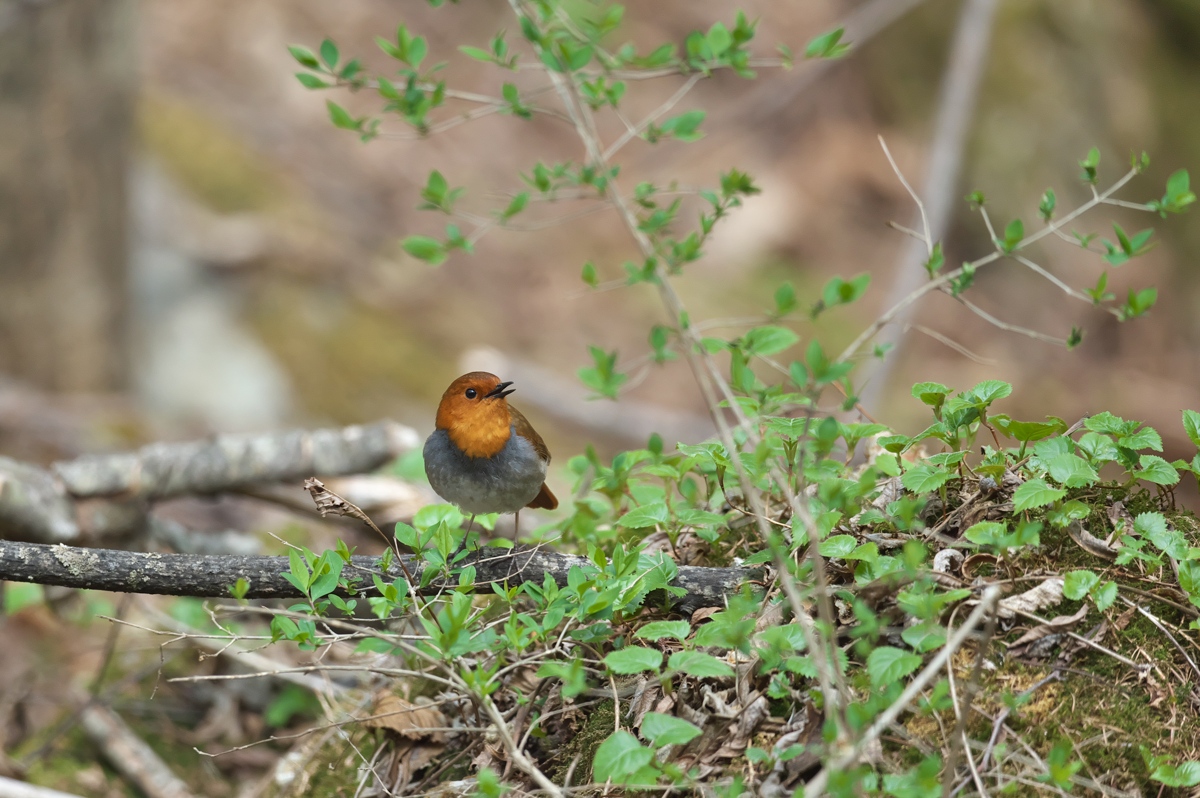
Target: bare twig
[1006, 326]
[1066, 289]
[956, 105]
[652, 117]
[1162, 628]
[938, 283]
[962, 709]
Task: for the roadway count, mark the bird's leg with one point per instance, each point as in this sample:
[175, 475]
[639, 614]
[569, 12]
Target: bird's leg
[517, 525]
[467, 537]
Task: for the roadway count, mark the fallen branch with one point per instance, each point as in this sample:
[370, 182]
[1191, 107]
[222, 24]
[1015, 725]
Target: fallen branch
[229, 462]
[131, 755]
[211, 575]
[110, 495]
[11, 788]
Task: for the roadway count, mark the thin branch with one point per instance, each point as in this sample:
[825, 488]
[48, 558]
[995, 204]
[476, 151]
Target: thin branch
[926, 237]
[1066, 289]
[652, 117]
[944, 278]
[952, 344]
[1137, 206]
[1162, 628]
[987, 222]
[1007, 327]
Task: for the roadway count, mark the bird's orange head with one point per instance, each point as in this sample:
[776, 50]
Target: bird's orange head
[475, 414]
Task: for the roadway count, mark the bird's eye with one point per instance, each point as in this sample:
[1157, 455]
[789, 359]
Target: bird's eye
[472, 393]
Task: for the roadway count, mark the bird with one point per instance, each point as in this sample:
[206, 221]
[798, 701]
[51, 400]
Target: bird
[484, 456]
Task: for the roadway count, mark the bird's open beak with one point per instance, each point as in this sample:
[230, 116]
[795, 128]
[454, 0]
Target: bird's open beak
[499, 391]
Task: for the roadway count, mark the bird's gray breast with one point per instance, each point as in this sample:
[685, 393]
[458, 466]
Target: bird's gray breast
[503, 483]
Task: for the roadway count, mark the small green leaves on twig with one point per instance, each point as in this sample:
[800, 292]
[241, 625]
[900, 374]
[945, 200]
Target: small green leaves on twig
[1137, 303]
[438, 195]
[828, 45]
[1089, 165]
[1046, 206]
[1178, 196]
[602, 376]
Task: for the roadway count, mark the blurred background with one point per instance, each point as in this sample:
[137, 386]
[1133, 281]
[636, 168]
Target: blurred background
[189, 246]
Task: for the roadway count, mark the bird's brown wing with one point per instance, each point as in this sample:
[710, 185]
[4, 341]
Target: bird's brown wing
[523, 428]
[545, 500]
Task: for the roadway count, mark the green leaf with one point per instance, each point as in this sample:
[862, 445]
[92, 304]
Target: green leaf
[1014, 233]
[1105, 595]
[425, 248]
[1089, 166]
[1191, 425]
[987, 533]
[602, 377]
[1071, 470]
[1148, 524]
[1144, 438]
[309, 81]
[923, 478]
[931, 393]
[785, 299]
[1157, 470]
[841, 292]
[888, 665]
[329, 53]
[477, 54]
[588, 274]
[516, 205]
[837, 546]
[1099, 448]
[1138, 303]
[340, 116]
[572, 674]
[1028, 431]
[768, 340]
[1035, 493]
[937, 259]
[924, 637]
[619, 757]
[1107, 423]
[662, 730]
[719, 38]
[1169, 541]
[698, 664]
[305, 56]
[1046, 206]
[657, 630]
[827, 45]
[1077, 584]
[647, 515]
[1189, 580]
[634, 659]
[1186, 775]
[989, 391]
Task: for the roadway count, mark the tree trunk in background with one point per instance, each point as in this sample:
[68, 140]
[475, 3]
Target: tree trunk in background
[67, 79]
